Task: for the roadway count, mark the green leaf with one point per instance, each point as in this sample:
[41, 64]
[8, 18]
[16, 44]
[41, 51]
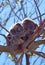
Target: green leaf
[10, 55]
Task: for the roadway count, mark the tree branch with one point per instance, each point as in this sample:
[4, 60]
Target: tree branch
[38, 31]
[4, 48]
[36, 44]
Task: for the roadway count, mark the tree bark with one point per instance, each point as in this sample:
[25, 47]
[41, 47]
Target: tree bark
[27, 59]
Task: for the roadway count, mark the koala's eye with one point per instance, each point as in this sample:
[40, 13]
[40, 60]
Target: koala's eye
[13, 31]
[9, 37]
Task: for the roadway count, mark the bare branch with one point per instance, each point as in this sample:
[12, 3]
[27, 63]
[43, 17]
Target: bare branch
[37, 53]
[3, 35]
[38, 10]
[38, 16]
[36, 44]
[4, 28]
[4, 48]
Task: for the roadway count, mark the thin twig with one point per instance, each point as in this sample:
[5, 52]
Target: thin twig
[38, 10]
[3, 36]
[38, 16]
[37, 53]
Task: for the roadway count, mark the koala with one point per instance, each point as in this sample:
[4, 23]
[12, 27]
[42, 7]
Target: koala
[29, 27]
[17, 32]
[29, 24]
[22, 32]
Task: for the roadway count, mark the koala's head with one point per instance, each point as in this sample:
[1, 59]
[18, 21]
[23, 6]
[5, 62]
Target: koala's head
[29, 24]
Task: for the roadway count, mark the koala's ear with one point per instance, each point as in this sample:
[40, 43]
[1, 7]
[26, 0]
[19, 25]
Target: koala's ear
[35, 25]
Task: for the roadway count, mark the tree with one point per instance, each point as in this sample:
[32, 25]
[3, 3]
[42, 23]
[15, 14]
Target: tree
[17, 11]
